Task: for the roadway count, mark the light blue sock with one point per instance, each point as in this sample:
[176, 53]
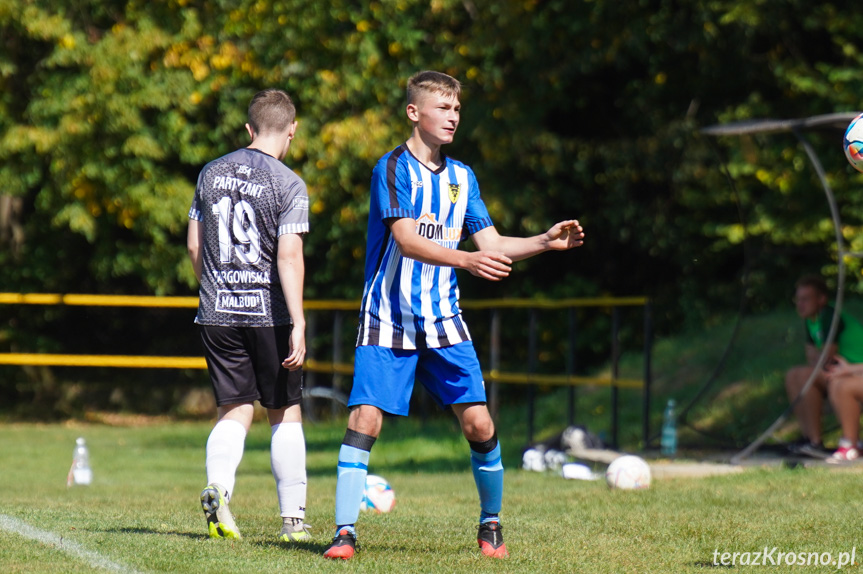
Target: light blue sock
[352, 471]
[488, 474]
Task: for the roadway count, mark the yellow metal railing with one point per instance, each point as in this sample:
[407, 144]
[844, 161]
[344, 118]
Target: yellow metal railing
[313, 305]
[493, 376]
[162, 362]
[142, 301]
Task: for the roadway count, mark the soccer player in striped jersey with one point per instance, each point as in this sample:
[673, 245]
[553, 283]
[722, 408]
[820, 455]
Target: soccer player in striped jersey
[245, 240]
[423, 204]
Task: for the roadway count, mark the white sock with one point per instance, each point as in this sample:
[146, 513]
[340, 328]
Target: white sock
[224, 453]
[288, 461]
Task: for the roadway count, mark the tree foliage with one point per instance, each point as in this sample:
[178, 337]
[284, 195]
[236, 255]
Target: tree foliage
[586, 108]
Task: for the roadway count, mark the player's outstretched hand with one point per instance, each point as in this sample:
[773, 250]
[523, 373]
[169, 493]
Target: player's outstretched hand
[298, 350]
[489, 265]
[565, 235]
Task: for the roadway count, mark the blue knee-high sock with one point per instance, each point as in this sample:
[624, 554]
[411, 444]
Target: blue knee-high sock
[353, 468]
[488, 473]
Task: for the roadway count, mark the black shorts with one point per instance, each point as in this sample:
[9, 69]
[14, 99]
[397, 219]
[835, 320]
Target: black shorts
[245, 365]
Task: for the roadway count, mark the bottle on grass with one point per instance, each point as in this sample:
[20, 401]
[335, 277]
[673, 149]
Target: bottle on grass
[668, 440]
[80, 473]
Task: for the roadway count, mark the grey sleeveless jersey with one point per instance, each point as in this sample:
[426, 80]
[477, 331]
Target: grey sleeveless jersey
[245, 200]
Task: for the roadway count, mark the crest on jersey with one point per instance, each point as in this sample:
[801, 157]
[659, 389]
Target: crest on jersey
[454, 189]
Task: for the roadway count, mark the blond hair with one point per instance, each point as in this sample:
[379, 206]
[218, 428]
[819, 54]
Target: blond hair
[429, 82]
[271, 111]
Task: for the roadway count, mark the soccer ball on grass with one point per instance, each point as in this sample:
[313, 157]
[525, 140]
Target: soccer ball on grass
[378, 495]
[628, 472]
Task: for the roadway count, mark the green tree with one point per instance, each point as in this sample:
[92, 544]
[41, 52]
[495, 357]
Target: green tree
[588, 109]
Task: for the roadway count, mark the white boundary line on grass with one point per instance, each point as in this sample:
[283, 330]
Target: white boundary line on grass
[95, 559]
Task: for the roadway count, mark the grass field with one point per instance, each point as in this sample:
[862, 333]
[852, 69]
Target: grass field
[142, 514]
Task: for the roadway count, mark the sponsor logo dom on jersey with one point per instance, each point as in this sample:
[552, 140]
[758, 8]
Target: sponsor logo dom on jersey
[429, 227]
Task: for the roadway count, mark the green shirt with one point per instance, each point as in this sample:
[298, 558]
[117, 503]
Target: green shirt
[849, 336]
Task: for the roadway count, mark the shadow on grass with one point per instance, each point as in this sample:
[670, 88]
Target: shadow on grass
[381, 466]
[406, 445]
[315, 548]
[129, 530]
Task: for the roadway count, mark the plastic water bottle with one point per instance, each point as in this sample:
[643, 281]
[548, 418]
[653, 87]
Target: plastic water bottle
[668, 441]
[80, 473]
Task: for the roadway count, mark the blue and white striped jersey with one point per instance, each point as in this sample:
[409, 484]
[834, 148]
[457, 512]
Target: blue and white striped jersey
[408, 304]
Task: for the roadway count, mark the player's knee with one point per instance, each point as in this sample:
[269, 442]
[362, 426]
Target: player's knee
[366, 419]
[478, 429]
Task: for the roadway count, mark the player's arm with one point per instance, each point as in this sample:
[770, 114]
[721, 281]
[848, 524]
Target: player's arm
[562, 235]
[489, 265]
[291, 266]
[813, 352]
[194, 241]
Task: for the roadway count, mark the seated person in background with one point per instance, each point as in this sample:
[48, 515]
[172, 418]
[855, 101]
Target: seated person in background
[811, 298]
[846, 393]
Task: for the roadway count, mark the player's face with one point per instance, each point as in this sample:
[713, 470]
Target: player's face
[808, 302]
[437, 117]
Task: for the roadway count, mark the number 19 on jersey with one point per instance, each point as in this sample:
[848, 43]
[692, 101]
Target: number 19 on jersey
[239, 217]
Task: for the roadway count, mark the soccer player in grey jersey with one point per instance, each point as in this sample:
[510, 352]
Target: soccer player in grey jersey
[245, 241]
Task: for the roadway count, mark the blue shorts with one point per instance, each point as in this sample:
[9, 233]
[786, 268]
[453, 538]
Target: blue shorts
[384, 377]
